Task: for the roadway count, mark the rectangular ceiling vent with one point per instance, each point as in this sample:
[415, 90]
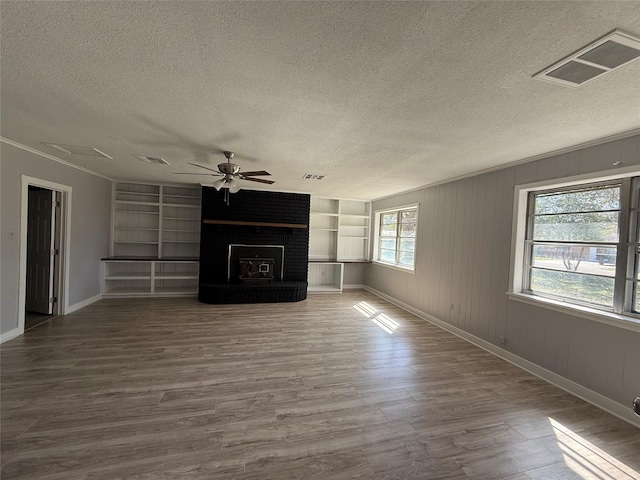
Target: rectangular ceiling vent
[156, 160]
[311, 176]
[78, 150]
[614, 50]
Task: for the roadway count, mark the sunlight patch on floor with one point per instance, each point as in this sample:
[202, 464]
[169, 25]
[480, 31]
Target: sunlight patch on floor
[587, 460]
[380, 319]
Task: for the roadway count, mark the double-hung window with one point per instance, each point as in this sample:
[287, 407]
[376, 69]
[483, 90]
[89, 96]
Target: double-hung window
[396, 237]
[582, 245]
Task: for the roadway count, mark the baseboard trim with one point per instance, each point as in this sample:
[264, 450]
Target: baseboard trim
[10, 334]
[600, 401]
[353, 286]
[82, 304]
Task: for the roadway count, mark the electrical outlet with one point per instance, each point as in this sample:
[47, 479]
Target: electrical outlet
[452, 306]
[502, 339]
[457, 308]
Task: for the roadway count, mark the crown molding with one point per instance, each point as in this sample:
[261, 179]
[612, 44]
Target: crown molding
[542, 156]
[52, 157]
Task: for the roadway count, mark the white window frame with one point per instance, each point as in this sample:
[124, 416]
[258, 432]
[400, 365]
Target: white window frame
[516, 275]
[376, 237]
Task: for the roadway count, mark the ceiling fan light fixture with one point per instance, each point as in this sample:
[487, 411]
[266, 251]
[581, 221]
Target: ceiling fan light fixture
[230, 172]
[233, 186]
[218, 184]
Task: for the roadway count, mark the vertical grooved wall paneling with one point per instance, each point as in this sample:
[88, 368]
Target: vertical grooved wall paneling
[463, 259]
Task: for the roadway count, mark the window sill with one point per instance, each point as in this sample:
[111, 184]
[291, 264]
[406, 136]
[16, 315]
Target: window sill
[395, 267]
[613, 319]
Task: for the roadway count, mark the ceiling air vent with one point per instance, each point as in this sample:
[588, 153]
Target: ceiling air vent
[605, 55]
[311, 176]
[78, 150]
[156, 160]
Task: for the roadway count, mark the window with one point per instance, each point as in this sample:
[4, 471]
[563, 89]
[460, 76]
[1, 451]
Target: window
[396, 237]
[582, 245]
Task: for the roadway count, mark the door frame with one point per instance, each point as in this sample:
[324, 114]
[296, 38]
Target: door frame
[61, 280]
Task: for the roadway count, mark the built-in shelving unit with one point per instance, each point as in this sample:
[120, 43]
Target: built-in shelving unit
[155, 221]
[323, 229]
[325, 277]
[338, 233]
[155, 240]
[180, 231]
[136, 220]
[141, 277]
[353, 230]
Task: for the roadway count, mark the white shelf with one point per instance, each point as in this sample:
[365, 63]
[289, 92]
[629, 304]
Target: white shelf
[181, 205]
[137, 194]
[137, 228]
[323, 289]
[137, 212]
[166, 195]
[128, 276]
[126, 291]
[134, 202]
[133, 242]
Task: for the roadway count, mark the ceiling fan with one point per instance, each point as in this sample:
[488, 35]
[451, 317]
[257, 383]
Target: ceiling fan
[229, 173]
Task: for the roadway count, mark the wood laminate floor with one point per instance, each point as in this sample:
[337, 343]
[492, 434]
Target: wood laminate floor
[171, 388]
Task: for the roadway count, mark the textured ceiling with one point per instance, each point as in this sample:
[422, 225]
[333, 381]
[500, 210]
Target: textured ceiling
[381, 97]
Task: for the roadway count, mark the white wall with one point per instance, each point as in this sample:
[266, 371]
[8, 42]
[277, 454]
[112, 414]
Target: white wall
[463, 254]
[90, 226]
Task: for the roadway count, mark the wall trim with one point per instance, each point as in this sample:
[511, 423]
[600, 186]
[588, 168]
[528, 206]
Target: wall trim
[52, 157]
[600, 401]
[16, 332]
[83, 303]
[353, 286]
[541, 156]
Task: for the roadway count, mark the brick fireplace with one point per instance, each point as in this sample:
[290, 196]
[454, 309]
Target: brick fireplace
[257, 228]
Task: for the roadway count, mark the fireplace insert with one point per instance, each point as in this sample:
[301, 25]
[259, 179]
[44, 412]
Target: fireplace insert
[256, 270]
[255, 264]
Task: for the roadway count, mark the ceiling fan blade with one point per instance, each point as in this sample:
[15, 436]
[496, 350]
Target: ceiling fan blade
[258, 173]
[206, 168]
[268, 182]
[188, 173]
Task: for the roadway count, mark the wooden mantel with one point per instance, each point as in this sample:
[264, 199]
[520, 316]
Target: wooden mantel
[256, 224]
